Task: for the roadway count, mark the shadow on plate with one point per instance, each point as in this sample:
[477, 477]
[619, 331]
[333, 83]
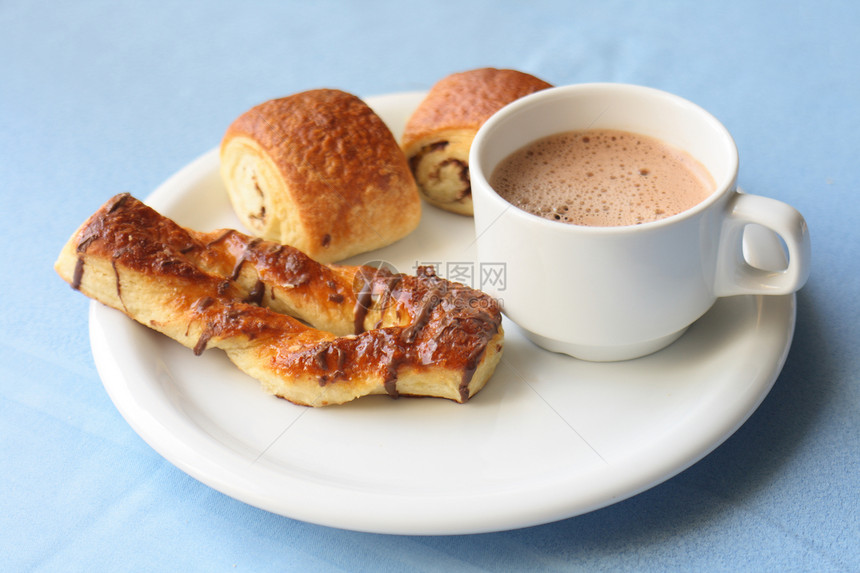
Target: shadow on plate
[741, 467]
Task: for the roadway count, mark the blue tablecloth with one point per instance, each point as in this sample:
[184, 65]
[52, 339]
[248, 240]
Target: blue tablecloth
[102, 97]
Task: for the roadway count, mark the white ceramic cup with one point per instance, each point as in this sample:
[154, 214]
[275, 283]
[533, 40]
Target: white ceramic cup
[615, 293]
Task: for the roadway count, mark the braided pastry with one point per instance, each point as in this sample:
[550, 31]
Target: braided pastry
[320, 171]
[439, 133]
[372, 331]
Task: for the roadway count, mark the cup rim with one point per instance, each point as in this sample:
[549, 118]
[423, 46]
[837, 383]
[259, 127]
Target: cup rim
[723, 186]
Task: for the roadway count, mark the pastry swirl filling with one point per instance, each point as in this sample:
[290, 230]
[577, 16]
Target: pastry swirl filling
[443, 177]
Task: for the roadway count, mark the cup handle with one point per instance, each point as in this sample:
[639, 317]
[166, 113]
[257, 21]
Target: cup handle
[734, 273]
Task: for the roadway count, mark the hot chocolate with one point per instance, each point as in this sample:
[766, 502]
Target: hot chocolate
[602, 178]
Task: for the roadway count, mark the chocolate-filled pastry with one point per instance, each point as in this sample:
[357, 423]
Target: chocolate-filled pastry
[319, 171]
[371, 331]
[439, 134]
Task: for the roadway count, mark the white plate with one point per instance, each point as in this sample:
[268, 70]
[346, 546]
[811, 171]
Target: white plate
[549, 437]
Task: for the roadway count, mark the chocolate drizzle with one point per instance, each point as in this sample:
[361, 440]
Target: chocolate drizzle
[464, 321]
[118, 284]
[237, 268]
[372, 282]
[390, 383]
[78, 275]
[217, 286]
[255, 295]
[431, 299]
[203, 303]
[226, 233]
[203, 341]
[390, 285]
[469, 370]
[199, 307]
[321, 359]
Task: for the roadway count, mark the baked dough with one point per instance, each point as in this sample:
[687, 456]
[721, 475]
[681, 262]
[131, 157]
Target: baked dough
[439, 134]
[319, 171]
[372, 331]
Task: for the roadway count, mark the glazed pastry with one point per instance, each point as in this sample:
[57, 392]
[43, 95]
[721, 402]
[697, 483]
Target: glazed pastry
[372, 331]
[319, 171]
[439, 134]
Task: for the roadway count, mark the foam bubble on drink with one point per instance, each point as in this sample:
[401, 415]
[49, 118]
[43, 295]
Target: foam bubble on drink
[602, 178]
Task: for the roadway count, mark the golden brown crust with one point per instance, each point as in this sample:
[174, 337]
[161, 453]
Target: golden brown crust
[465, 100]
[319, 170]
[439, 134]
[384, 332]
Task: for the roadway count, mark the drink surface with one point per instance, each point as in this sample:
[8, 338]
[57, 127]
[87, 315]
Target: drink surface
[602, 178]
